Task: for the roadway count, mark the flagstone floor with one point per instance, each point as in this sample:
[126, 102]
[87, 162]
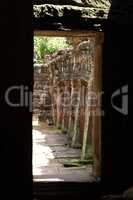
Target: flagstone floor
[50, 151]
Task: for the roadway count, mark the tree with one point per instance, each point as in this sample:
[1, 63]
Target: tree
[48, 45]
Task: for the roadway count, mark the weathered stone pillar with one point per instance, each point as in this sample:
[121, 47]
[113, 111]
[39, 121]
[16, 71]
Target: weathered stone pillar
[87, 113]
[58, 103]
[76, 113]
[96, 130]
[66, 105]
[53, 92]
[82, 110]
[70, 108]
[61, 104]
[54, 105]
[86, 125]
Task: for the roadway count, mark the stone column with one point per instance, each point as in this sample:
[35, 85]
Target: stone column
[66, 99]
[87, 116]
[86, 124]
[70, 108]
[54, 106]
[53, 92]
[61, 104]
[58, 103]
[76, 113]
[82, 110]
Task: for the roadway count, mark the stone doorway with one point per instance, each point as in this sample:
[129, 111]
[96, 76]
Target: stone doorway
[63, 115]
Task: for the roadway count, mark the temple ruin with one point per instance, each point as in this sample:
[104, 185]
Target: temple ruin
[65, 97]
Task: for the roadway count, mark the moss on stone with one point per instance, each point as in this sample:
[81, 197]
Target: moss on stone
[77, 162]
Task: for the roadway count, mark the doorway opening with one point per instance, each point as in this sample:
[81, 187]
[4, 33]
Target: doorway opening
[66, 107]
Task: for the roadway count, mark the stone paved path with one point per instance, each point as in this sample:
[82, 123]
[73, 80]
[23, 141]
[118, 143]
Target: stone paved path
[50, 150]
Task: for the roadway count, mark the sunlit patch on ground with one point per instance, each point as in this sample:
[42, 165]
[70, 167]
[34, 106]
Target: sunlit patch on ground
[42, 154]
[49, 180]
[35, 121]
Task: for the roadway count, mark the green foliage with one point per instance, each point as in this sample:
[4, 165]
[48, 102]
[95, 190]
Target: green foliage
[47, 45]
